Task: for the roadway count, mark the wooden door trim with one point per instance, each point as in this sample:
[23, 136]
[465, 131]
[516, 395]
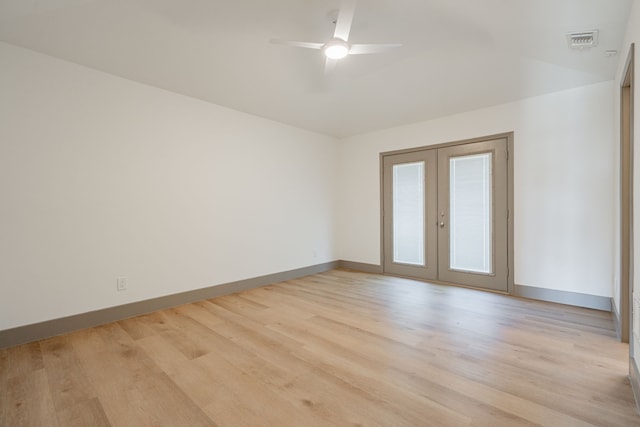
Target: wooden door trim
[626, 198]
[506, 135]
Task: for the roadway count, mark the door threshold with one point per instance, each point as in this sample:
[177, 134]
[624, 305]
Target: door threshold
[457, 285]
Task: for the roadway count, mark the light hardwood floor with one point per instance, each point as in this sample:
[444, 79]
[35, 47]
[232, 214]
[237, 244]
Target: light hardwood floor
[333, 349]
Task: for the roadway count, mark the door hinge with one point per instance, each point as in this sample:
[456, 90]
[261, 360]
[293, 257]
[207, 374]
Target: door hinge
[508, 272]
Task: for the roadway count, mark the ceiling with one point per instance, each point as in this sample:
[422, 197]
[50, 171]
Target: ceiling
[457, 55]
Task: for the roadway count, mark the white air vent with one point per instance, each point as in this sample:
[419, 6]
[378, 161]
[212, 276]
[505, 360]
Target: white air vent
[582, 40]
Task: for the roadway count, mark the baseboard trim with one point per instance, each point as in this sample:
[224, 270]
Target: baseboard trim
[634, 379]
[615, 316]
[548, 295]
[50, 328]
[563, 297]
[360, 266]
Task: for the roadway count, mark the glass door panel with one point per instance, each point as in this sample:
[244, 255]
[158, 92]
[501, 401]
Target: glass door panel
[470, 201]
[408, 213]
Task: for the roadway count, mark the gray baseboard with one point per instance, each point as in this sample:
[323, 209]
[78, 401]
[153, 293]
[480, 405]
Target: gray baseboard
[634, 379]
[563, 297]
[615, 316]
[50, 328]
[360, 266]
[549, 295]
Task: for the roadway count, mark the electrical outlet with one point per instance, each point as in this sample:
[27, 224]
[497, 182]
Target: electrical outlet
[122, 284]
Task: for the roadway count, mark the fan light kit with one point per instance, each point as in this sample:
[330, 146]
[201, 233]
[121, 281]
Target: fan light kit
[338, 47]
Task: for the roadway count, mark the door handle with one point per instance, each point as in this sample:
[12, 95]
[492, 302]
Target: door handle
[441, 224]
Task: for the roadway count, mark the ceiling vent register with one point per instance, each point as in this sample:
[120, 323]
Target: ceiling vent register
[583, 39]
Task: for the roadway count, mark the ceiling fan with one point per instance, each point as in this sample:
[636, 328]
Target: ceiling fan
[339, 47]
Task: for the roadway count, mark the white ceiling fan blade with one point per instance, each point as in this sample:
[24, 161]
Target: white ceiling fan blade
[360, 49]
[307, 45]
[329, 66]
[345, 17]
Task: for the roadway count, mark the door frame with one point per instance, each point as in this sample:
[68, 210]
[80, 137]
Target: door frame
[625, 331]
[509, 136]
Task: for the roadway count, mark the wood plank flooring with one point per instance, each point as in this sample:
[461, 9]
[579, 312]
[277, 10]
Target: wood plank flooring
[335, 349]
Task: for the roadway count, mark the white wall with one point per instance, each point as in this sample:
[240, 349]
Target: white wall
[563, 184]
[102, 177]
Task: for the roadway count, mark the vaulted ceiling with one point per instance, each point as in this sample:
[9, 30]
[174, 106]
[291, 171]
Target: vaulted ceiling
[456, 55]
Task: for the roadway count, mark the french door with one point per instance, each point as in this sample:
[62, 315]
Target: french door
[446, 214]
